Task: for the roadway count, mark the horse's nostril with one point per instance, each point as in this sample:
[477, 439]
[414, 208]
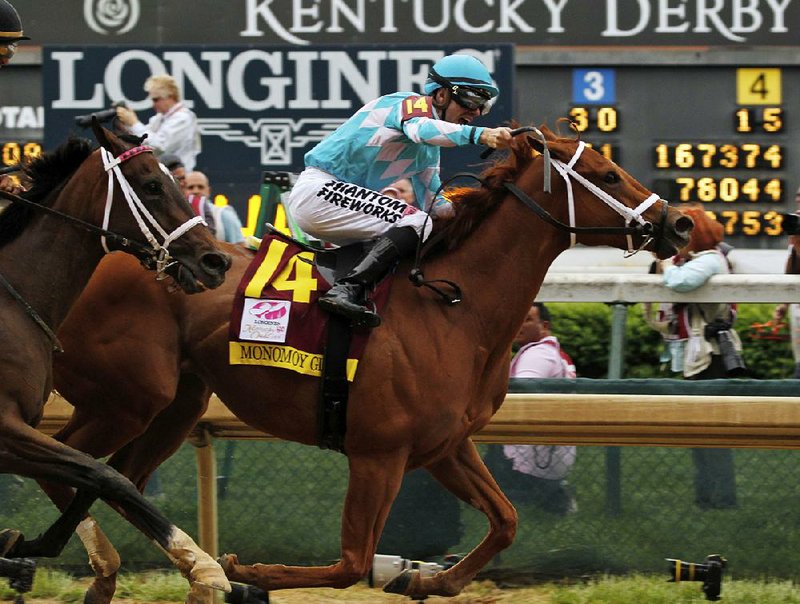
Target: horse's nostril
[215, 262]
[684, 224]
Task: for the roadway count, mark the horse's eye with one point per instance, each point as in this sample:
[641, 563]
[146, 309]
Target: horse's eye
[611, 178]
[153, 187]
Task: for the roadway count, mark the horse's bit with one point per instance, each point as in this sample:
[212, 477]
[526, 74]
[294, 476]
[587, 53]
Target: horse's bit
[140, 212]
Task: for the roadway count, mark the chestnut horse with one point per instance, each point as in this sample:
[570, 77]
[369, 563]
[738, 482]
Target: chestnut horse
[81, 200]
[140, 387]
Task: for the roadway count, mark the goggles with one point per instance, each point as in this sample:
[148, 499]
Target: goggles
[472, 98]
[8, 50]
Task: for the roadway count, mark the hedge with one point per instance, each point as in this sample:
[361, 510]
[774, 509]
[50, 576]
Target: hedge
[584, 330]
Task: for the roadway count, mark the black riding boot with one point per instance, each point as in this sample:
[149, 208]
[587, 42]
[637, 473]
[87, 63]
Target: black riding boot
[346, 297]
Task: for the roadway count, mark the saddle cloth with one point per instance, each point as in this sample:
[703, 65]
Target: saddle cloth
[276, 320]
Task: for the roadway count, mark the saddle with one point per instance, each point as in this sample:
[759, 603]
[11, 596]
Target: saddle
[323, 345]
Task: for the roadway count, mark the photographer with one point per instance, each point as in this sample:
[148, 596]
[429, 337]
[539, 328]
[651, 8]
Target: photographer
[173, 129]
[702, 343]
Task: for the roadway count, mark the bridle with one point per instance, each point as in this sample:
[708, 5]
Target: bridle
[158, 251]
[643, 228]
[153, 256]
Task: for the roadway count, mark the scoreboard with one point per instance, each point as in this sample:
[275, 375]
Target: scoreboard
[710, 132]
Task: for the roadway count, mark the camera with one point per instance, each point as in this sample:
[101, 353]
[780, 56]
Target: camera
[385, 568]
[721, 332]
[20, 572]
[709, 572]
[790, 223]
[84, 121]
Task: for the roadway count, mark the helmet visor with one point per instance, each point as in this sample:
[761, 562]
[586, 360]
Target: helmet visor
[473, 98]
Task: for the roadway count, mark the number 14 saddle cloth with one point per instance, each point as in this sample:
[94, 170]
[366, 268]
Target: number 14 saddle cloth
[276, 321]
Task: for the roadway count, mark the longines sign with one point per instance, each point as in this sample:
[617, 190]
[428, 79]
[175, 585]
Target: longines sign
[258, 107]
[524, 22]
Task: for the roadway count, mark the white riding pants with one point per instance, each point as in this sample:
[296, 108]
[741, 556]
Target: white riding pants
[342, 213]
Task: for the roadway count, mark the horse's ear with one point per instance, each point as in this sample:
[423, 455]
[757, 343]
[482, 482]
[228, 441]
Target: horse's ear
[101, 134]
[536, 144]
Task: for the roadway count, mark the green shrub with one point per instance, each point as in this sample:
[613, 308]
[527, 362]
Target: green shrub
[584, 330]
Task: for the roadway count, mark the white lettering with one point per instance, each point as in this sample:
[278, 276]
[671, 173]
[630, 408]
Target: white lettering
[303, 86]
[254, 80]
[612, 27]
[24, 117]
[461, 19]
[255, 9]
[340, 64]
[664, 14]
[356, 18]
[300, 12]
[712, 14]
[555, 9]
[749, 8]
[209, 87]
[276, 87]
[66, 77]
[28, 118]
[9, 114]
[778, 10]
[419, 16]
[388, 17]
[408, 78]
[113, 76]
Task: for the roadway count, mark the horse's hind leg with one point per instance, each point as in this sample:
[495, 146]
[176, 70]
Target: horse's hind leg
[466, 476]
[136, 460]
[373, 486]
[27, 452]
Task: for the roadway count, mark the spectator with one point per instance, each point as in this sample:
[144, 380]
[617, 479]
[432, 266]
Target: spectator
[792, 310]
[173, 128]
[10, 36]
[401, 189]
[694, 350]
[398, 134]
[177, 169]
[536, 474]
[222, 220]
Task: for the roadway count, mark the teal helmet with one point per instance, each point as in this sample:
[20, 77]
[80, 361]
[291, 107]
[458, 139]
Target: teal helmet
[467, 78]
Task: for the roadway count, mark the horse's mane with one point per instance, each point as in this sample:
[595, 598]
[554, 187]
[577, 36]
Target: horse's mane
[46, 175]
[473, 204]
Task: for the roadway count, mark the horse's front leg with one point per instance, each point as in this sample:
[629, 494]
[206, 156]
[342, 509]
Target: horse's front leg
[374, 483]
[465, 475]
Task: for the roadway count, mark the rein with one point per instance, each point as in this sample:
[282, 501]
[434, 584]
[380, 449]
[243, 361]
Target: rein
[643, 228]
[154, 255]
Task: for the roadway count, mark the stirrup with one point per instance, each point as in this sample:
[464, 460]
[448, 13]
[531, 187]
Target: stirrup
[361, 316]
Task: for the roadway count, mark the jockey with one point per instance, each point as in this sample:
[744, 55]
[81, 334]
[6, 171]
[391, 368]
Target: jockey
[336, 198]
[10, 32]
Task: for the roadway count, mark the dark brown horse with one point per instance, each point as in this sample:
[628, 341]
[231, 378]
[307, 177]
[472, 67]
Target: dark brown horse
[51, 239]
[408, 406]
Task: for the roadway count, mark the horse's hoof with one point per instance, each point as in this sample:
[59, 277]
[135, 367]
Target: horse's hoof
[8, 541]
[400, 584]
[210, 574]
